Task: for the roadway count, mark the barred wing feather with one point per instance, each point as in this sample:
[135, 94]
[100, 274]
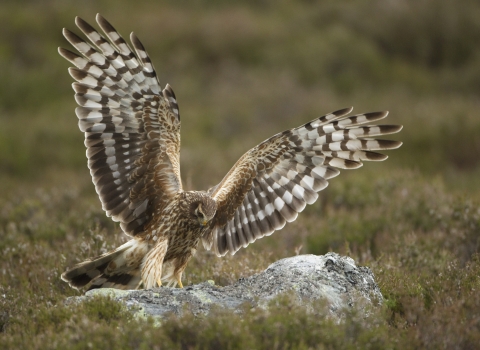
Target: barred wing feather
[131, 125]
[274, 181]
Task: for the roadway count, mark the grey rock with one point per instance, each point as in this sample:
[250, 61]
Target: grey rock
[333, 278]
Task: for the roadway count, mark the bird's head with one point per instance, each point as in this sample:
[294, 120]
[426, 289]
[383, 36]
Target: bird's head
[201, 216]
[203, 209]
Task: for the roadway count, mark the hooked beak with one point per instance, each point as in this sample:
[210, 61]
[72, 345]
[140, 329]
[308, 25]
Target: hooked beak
[202, 223]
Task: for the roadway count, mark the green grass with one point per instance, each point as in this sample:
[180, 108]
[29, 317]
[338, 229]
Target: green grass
[241, 73]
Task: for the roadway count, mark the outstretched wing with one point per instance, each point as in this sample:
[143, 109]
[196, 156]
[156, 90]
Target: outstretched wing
[131, 125]
[274, 181]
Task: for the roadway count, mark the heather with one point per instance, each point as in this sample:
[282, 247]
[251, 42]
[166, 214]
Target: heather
[242, 72]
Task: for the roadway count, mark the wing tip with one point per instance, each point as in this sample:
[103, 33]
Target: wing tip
[136, 41]
[343, 111]
[374, 116]
[104, 24]
[84, 26]
[393, 129]
[99, 17]
[397, 144]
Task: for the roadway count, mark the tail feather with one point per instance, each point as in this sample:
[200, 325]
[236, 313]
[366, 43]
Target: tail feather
[128, 280]
[119, 269]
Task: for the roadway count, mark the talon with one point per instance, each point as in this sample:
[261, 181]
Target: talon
[159, 281]
[180, 282]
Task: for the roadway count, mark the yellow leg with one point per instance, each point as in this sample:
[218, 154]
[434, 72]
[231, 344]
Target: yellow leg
[159, 281]
[179, 282]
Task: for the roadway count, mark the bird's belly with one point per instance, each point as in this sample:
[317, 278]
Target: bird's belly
[181, 248]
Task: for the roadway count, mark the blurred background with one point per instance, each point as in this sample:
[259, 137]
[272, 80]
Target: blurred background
[243, 71]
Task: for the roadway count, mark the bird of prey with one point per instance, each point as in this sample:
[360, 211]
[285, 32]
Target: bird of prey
[132, 135]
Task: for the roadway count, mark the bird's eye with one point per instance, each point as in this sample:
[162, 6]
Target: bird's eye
[198, 211]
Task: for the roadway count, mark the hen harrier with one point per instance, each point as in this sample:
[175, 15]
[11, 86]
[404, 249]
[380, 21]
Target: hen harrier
[132, 135]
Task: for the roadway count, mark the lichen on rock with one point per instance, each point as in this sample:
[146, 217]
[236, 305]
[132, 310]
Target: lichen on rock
[334, 279]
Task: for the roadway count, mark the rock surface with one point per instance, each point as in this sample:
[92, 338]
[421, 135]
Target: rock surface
[331, 277]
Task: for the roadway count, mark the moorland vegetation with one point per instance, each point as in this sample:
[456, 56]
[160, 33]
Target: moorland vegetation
[242, 72]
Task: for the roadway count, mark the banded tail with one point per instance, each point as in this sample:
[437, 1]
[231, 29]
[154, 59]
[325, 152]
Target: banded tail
[119, 269]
